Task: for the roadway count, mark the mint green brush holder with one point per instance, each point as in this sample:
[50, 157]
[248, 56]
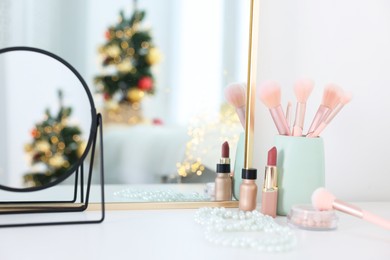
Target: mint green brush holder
[301, 170]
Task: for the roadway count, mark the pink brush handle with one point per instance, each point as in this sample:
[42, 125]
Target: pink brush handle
[241, 115]
[327, 118]
[288, 115]
[322, 110]
[357, 212]
[318, 130]
[297, 131]
[280, 120]
[347, 208]
[299, 119]
[368, 216]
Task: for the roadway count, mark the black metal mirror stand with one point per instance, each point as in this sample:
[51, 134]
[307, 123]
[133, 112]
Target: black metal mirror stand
[78, 203]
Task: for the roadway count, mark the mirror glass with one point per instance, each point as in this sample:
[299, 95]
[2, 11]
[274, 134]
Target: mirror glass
[172, 136]
[46, 119]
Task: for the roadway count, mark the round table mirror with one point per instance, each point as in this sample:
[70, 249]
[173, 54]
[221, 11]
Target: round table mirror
[48, 119]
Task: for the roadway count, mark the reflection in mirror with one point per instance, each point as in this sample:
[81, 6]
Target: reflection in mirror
[45, 119]
[179, 121]
[55, 146]
[175, 132]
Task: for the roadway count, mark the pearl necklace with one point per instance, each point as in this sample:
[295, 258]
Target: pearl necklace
[159, 195]
[249, 229]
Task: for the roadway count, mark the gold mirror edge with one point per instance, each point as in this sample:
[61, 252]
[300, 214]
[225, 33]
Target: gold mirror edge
[161, 205]
[126, 205]
[251, 81]
[39, 206]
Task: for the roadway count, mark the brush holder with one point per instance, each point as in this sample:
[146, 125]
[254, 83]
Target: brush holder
[301, 170]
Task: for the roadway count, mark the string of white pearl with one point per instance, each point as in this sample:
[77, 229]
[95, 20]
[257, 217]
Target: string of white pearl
[159, 195]
[249, 229]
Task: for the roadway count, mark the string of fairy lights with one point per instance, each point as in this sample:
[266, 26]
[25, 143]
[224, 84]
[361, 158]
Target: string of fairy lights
[206, 133]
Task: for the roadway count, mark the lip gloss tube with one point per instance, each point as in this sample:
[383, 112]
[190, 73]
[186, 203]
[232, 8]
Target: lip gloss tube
[270, 187]
[248, 190]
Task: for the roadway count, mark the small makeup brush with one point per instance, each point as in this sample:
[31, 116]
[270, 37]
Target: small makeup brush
[330, 99]
[340, 94]
[288, 114]
[324, 200]
[269, 94]
[302, 90]
[345, 99]
[236, 96]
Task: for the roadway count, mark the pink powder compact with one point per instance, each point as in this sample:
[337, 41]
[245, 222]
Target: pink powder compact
[306, 217]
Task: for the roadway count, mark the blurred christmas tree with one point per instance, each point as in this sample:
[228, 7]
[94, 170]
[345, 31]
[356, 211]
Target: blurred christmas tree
[56, 146]
[129, 53]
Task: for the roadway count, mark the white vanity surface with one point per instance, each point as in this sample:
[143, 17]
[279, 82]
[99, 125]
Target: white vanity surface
[173, 234]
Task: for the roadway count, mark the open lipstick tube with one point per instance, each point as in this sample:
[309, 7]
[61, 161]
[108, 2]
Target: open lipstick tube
[270, 187]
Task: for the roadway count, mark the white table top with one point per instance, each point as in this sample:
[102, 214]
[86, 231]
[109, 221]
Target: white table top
[173, 234]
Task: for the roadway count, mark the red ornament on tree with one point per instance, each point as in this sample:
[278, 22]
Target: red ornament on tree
[34, 132]
[157, 121]
[107, 35]
[106, 96]
[145, 83]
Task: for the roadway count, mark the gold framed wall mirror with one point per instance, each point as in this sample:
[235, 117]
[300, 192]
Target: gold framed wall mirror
[171, 138]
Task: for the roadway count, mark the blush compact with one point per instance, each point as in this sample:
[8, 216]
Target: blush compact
[307, 217]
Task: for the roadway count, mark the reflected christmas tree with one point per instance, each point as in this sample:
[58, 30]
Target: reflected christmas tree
[127, 58]
[55, 147]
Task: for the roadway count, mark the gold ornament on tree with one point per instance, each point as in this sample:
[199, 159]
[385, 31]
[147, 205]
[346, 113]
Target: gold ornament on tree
[154, 56]
[135, 95]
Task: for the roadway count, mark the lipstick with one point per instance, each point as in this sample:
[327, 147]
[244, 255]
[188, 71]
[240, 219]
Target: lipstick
[223, 181]
[270, 187]
[225, 154]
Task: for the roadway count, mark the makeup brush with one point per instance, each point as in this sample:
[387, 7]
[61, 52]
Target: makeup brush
[324, 116]
[324, 200]
[236, 96]
[330, 99]
[288, 114]
[302, 90]
[345, 99]
[269, 94]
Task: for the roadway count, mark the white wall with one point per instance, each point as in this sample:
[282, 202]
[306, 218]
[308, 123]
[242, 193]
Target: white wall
[345, 42]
